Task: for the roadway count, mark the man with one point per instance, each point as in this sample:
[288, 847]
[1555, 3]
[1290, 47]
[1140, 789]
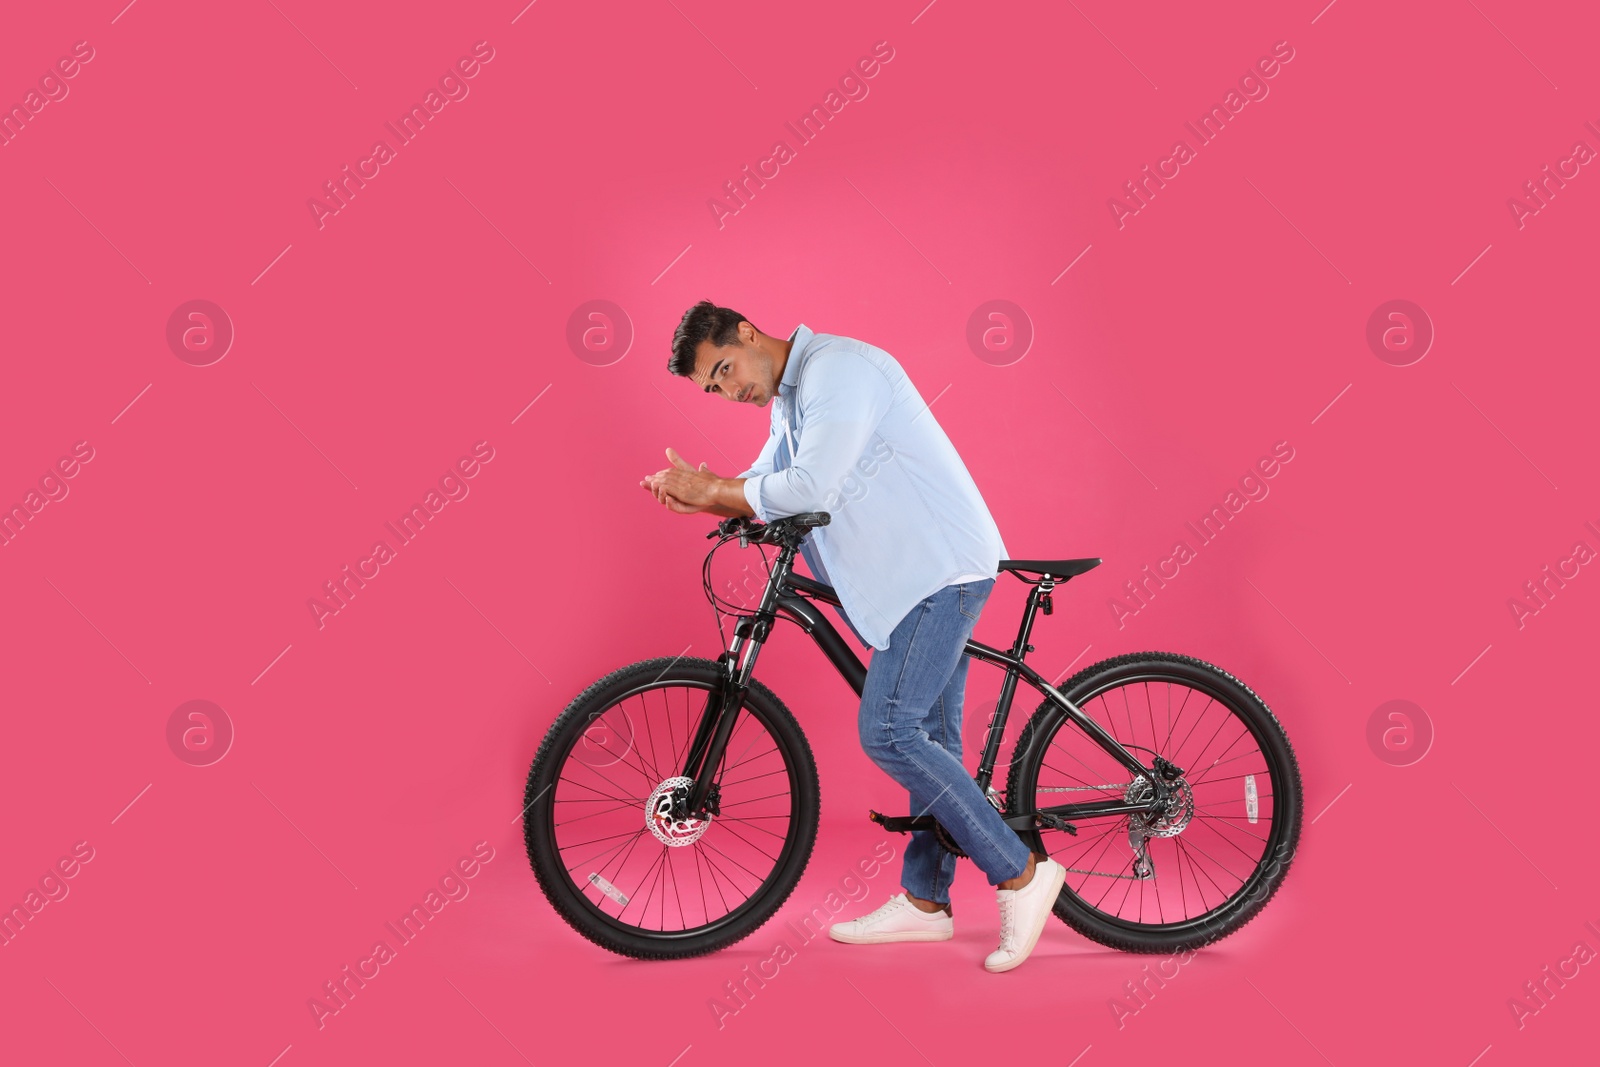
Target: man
[912, 553]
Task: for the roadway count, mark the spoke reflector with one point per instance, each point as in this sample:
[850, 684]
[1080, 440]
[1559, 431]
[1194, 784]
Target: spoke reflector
[608, 889]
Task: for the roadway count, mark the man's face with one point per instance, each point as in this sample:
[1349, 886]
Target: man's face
[739, 372]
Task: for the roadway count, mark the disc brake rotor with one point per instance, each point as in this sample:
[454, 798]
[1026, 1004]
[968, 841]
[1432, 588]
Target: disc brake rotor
[660, 815]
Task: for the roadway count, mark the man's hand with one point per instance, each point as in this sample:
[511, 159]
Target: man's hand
[687, 490]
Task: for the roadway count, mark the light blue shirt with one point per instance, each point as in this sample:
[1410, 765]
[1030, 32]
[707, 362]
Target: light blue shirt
[852, 436]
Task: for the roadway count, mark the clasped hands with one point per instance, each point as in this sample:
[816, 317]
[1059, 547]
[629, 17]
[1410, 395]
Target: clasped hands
[683, 488]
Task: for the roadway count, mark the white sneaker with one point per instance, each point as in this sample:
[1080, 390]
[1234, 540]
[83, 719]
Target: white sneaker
[898, 920]
[1023, 914]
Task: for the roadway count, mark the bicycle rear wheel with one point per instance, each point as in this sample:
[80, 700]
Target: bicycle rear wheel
[1209, 862]
[605, 845]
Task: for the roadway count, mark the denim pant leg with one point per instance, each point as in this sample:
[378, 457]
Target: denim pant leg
[927, 870]
[904, 681]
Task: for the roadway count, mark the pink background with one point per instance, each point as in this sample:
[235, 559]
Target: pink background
[428, 313]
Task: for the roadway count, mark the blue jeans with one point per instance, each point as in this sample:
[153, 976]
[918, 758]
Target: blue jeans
[911, 728]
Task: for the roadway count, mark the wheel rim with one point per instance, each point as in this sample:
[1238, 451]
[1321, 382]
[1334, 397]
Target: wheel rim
[1212, 850]
[609, 813]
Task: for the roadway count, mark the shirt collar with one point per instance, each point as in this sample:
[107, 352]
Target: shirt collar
[799, 340]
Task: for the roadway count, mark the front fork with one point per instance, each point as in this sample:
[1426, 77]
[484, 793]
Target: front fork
[723, 706]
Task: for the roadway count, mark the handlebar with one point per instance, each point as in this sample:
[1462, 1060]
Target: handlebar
[777, 532]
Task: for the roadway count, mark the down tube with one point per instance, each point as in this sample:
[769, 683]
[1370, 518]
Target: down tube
[812, 621]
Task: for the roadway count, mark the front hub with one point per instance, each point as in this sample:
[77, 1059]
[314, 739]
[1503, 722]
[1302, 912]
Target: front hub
[664, 814]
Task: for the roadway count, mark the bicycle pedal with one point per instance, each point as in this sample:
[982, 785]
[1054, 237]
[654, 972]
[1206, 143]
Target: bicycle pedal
[901, 824]
[1055, 822]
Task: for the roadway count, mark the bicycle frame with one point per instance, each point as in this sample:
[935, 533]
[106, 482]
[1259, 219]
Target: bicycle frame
[793, 596]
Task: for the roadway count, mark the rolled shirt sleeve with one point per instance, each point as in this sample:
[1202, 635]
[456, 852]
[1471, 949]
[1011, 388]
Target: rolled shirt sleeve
[842, 400]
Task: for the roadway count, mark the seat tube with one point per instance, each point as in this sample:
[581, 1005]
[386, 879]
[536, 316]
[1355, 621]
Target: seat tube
[1008, 688]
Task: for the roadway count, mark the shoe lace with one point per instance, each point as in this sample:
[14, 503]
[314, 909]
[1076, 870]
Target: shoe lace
[1008, 915]
[891, 905]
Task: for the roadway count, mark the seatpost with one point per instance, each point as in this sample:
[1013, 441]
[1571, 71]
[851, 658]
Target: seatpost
[1002, 706]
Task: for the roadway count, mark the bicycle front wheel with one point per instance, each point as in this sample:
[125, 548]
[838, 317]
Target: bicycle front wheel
[1208, 863]
[610, 854]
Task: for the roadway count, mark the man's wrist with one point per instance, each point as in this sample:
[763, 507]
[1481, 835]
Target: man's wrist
[729, 493]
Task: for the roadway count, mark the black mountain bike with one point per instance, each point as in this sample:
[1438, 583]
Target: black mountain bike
[672, 806]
